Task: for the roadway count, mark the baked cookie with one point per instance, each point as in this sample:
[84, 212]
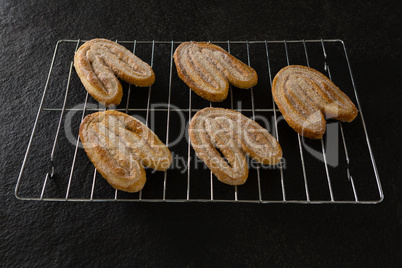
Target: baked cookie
[306, 98]
[235, 136]
[208, 69]
[120, 146]
[99, 61]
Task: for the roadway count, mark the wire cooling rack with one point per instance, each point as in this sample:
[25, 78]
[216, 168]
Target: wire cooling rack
[56, 168]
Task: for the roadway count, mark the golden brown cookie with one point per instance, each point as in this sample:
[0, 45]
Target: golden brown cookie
[235, 136]
[306, 97]
[99, 61]
[208, 69]
[120, 146]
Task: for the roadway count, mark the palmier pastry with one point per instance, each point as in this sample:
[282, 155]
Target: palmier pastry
[306, 97]
[235, 136]
[208, 69]
[99, 61]
[120, 146]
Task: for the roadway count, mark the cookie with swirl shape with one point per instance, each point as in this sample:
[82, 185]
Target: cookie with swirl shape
[222, 138]
[120, 147]
[208, 69]
[99, 62]
[306, 98]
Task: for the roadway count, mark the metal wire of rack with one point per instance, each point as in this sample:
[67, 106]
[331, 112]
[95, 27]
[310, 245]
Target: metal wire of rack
[233, 192]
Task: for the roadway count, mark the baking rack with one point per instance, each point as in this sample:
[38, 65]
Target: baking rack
[42, 177]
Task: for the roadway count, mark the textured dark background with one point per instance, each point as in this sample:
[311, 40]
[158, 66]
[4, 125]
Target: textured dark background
[193, 234]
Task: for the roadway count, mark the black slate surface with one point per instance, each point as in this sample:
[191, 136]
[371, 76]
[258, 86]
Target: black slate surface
[126, 234]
